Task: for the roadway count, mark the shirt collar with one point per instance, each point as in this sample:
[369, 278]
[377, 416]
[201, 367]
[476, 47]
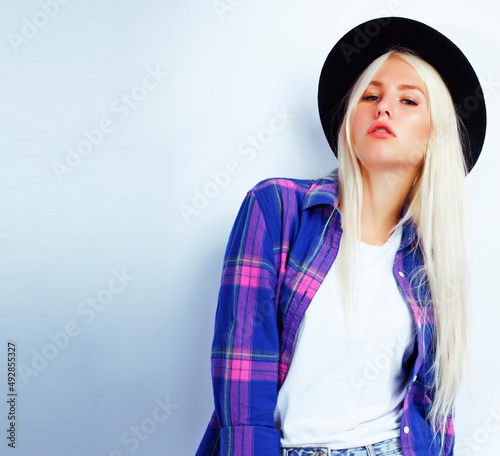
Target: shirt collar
[325, 191]
[410, 232]
[322, 191]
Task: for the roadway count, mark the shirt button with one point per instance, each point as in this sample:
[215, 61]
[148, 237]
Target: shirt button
[406, 430]
[401, 273]
[419, 325]
[415, 378]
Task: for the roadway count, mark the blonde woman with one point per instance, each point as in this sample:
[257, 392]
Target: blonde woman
[342, 326]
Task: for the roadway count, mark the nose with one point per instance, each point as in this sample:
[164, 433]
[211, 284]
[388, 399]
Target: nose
[384, 107]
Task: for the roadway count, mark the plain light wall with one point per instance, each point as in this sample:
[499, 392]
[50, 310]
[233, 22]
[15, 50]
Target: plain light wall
[115, 117]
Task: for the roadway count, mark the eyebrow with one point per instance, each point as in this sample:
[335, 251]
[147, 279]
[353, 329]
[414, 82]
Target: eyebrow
[400, 86]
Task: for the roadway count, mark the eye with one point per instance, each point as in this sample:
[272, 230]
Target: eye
[409, 101]
[369, 97]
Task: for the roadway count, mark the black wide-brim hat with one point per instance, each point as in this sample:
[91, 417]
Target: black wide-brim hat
[359, 47]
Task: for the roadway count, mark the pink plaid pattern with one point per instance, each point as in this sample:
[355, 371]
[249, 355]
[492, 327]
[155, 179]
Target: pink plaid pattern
[275, 262]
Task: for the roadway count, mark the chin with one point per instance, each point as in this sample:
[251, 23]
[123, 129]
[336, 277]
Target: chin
[380, 156]
[384, 163]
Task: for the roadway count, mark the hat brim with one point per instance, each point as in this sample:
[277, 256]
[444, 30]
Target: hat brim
[360, 46]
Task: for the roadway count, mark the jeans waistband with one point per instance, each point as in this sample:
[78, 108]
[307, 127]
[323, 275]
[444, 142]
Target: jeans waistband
[375, 449]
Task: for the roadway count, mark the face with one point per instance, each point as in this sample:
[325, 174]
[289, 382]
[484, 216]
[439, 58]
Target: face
[391, 122]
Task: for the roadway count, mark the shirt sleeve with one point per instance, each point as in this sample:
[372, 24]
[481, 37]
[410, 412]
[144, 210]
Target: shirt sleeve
[449, 443]
[448, 422]
[245, 349]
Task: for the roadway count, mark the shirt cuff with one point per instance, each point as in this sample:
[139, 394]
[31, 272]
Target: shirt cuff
[249, 441]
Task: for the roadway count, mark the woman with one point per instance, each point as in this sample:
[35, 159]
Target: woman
[342, 323]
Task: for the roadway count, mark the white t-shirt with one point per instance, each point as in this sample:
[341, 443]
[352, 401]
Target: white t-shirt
[343, 392]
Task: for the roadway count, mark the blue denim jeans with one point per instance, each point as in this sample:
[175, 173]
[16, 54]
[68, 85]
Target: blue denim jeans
[391, 447]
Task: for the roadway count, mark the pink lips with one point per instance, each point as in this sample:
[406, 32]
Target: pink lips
[372, 131]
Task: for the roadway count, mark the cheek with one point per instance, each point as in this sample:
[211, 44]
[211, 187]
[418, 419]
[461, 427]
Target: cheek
[419, 131]
[357, 126]
[424, 129]
[419, 136]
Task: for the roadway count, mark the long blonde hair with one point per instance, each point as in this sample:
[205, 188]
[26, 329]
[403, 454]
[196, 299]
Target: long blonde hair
[436, 205]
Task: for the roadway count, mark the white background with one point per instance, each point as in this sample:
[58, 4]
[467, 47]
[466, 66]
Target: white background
[119, 210]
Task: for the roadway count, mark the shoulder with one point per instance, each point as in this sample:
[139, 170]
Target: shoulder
[282, 186]
[281, 198]
[296, 192]
[285, 201]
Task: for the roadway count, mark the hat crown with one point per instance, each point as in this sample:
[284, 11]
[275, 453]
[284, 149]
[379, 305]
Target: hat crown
[352, 54]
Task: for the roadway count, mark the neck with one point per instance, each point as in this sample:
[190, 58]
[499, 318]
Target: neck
[384, 193]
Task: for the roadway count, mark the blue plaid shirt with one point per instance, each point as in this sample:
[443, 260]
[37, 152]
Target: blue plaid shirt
[275, 261]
